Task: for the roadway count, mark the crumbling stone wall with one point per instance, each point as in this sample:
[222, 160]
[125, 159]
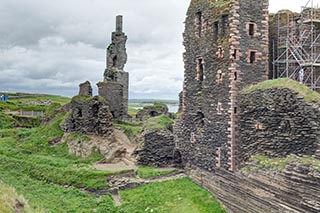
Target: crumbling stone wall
[222, 56]
[113, 93]
[158, 149]
[89, 115]
[85, 89]
[152, 111]
[277, 122]
[114, 72]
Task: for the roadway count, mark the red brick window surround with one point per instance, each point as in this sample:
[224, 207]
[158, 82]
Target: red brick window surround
[251, 28]
[235, 54]
[252, 56]
[235, 75]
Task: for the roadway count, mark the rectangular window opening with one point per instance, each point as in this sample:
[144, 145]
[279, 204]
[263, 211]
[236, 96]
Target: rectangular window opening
[200, 69]
[234, 54]
[252, 57]
[199, 23]
[219, 108]
[216, 29]
[235, 76]
[235, 110]
[224, 22]
[251, 29]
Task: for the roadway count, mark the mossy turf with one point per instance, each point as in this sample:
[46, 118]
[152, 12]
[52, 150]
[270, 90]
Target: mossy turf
[157, 123]
[279, 164]
[176, 196]
[149, 171]
[130, 128]
[308, 94]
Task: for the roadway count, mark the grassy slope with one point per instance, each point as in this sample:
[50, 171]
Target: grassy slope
[9, 199]
[157, 123]
[40, 172]
[302, 90]
[49, 178]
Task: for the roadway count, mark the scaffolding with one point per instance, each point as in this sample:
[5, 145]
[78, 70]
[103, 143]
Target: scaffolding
[297, 51]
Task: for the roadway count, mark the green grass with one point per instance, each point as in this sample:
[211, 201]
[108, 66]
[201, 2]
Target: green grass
[9, 198]
[53, 98]
[308, 94]
[80, 178]
[130, 128]
[132, 111]
[149, 171]
[157, 123]
[6, 121]
[177, 196]
[279, 164]
[53, 198]
[52, 180]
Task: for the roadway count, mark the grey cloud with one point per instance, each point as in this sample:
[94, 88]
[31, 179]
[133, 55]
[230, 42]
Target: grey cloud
[52, 46]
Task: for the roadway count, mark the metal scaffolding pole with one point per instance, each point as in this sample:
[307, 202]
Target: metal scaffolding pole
[298, 55]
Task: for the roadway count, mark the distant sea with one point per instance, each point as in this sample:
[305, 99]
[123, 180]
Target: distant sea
[173, 108]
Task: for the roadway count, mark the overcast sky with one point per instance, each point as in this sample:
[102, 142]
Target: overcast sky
[51, 46]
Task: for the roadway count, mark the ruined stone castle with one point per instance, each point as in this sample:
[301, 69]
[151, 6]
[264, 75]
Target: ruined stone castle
[114, 88]
[221, 126]
[226, 49]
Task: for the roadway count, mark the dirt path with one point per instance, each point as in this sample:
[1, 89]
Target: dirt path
[115, 167]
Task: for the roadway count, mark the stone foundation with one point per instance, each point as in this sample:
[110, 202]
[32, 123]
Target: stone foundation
[294, 190]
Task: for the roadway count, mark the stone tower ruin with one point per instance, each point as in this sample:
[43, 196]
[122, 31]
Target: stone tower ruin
[226, 44]
[114, 88]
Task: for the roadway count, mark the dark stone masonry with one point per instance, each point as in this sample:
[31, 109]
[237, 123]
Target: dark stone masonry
[226, 46]
[113, 93]
[154, 110]
[116, 80]
[89, 115]
[85, 89]
[158, 149]
[276, 123]
[114, 88]
[220, 127]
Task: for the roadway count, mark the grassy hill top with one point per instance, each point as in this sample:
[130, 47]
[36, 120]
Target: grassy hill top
[308, 94]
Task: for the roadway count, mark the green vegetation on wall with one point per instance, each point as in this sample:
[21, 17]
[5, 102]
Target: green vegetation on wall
[302, 90]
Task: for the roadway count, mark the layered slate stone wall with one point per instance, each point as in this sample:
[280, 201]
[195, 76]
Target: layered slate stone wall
[277, 122]
[158, 149]
[296, 189]
[226, 49]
